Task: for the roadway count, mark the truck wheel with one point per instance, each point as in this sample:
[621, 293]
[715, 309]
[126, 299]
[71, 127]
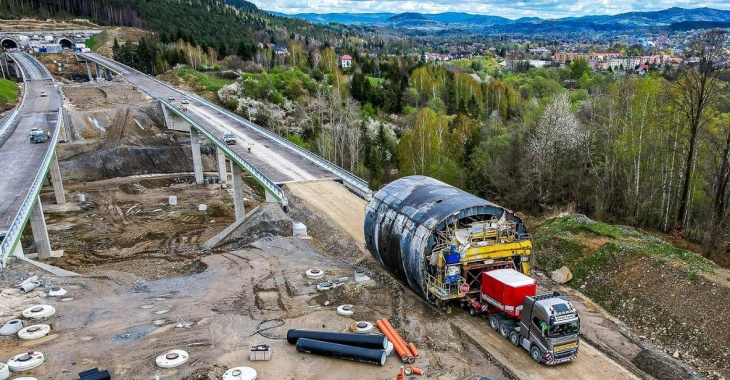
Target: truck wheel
[536, 354]
[473, 311]
[504, 330]
[494, 322]
[514, 338]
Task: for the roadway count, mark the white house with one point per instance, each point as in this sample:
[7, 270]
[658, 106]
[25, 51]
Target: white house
[345, 61]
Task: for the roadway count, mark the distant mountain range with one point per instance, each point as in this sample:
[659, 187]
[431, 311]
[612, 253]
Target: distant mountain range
[683, 18]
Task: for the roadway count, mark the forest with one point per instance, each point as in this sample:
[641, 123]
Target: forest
[650, 150]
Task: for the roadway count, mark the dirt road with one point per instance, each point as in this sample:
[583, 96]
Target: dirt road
[348, 211]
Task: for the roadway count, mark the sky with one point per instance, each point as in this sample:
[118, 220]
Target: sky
[512, 9]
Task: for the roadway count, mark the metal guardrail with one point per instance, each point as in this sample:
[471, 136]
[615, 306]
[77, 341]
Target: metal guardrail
[260, 177]
[356, 183]
[12, 236]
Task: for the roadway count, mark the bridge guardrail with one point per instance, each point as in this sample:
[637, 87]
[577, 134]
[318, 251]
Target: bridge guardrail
[12, 236]
[260, 177]
[356, 183]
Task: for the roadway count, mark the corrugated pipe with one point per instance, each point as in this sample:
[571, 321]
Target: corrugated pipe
[341, 351]
[375, 341]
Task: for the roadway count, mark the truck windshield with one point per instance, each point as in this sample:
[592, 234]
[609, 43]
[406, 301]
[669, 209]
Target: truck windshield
[564, 329]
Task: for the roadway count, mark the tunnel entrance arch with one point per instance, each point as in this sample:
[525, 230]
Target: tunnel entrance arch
[66, 43]
[9, 43]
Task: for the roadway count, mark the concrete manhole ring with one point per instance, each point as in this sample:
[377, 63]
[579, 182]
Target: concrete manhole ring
[240, 373]
[34, 332]
[25, 361]
[345, 310]
[364, 327]
[314, 274]
[172, 359]
[39, 311]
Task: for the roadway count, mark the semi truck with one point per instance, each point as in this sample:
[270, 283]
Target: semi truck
[445, 243]
[546, 325]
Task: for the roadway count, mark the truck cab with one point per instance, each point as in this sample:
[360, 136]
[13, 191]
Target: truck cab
[549, 329]
[37, 135]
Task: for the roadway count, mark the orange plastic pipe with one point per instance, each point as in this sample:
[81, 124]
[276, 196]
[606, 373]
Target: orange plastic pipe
[413, 349]
[396, 345]
[397, 336]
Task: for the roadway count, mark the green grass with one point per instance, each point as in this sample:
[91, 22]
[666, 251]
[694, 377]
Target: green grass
[8, 92]
[201, 81]
[97, 40]
[563, 241]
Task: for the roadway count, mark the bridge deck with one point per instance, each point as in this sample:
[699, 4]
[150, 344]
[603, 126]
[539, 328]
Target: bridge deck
[20, 160]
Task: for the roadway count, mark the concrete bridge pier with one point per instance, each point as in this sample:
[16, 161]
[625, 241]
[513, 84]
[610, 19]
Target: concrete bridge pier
[108, 74]
[221, 165]
[98, 72]
[57, 180]
[40, 233]
[238, 203]
[197, 160]
[88, 70]
[18, 251]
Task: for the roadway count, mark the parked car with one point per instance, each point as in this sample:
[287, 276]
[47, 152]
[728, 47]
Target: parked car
[184, 101]
[171, 98]
[43, 94]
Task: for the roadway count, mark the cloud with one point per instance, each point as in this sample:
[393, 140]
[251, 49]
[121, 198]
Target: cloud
[504, 8]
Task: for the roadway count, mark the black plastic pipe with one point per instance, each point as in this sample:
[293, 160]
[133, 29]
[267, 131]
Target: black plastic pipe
[375, 341]
[341, 351]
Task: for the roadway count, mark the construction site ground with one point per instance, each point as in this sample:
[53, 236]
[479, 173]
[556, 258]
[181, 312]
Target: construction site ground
[146, 286]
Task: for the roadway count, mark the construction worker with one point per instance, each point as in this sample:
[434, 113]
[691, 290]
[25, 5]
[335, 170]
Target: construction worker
[248, 146]
[48, 134]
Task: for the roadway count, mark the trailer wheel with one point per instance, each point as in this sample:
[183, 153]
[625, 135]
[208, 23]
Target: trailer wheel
[494, 322]
[514, 338]
[536, 354]
[504, 330]
[473, 311]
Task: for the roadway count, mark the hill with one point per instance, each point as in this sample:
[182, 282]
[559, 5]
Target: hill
[660, 291]
[531, 25]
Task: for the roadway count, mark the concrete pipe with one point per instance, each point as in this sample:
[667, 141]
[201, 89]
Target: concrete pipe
[29, 286]
[11, 327]
[375, 341]
[341, 351]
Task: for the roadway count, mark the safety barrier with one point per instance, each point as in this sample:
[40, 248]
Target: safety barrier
[12, 236]
[260, 177]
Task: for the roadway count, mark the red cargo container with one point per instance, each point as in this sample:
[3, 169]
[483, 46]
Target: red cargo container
[506, 289]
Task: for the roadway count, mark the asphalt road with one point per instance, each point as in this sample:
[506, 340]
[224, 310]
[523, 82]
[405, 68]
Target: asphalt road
[20, 160]
[276, 161]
